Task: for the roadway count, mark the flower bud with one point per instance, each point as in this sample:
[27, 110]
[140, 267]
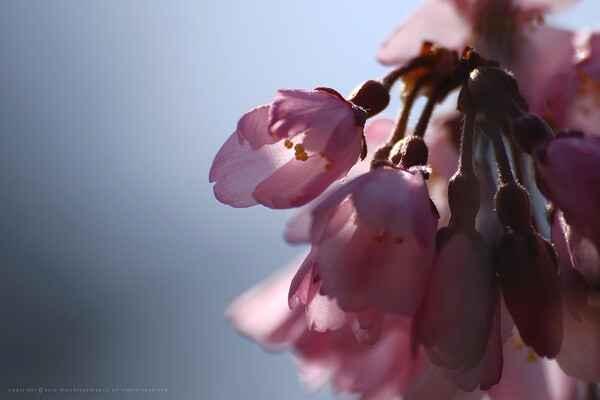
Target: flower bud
[463, 200]
[372, 96]
[529, 131]
[528, 271]
[413, 152]
[513, 207]
[494, 84]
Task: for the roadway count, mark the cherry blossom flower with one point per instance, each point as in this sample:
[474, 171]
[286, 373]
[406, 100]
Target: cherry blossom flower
[580, 264]
[286, 153]
[376, 133]
[385, 304]
[562, 89]
[455, 320]
[526, 376]
[373, 240]
[380, 370]
[443, 159]
[568, 173]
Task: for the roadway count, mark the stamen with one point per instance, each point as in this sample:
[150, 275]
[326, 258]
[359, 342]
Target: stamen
[301, 154]
[379, 237]
[288, 143]
[531, 356]
[516, 341]
[327, 166]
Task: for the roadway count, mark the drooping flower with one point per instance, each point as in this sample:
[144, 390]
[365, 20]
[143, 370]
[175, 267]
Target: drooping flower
[376, 133]
[382, 370]
[492, 27]
[286, 153]
[455, 320]
[580, 265]
[373, 240]
[443, 158]
[561, 89]
[568, 173]
[527, 376]
[529, 274]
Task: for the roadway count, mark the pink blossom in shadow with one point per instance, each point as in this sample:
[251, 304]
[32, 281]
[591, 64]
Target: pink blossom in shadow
[526, 376]
[455, 322]
[376, 133]
[286, 153]
[373, 240]
[383, 370]
[580, 265]
[491, 26]
[562, 89]
[568, 173]
[443, 158]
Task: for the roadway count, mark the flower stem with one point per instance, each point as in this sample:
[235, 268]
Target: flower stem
[465, 165]
[493, 132]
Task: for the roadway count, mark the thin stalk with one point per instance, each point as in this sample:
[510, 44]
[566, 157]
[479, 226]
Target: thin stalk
[465, 165]
[493, 132]
[391, 78]
[438, 93]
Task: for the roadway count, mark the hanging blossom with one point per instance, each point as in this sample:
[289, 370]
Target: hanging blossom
[428, 276]
[563, 89]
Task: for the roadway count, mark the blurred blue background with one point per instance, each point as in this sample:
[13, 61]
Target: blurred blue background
[116, 261]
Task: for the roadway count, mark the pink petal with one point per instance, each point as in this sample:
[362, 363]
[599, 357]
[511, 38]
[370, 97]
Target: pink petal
[545, 5]
[246, 158]
[300, 283]
[569, 174]
[456, 317]
[544, 84]
[489, 371]
[396, 201]
[262, 310]
[297, 182]
[361, 272]
[527, 377]
[323, 314]
[437, 21]
[295, 111]
[376, 134]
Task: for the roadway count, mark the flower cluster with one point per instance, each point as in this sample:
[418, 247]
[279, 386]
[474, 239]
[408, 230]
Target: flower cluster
[428, 276]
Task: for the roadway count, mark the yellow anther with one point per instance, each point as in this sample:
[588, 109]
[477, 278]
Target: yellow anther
[539, 18]
[288, 143]
[399, 240]
[322, 154]
[301, 154]
[308, 131]
[379, 237]
[531, 356]
[327, 166]
[516, 341]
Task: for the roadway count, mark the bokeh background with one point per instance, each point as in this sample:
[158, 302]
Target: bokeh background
[117, 263]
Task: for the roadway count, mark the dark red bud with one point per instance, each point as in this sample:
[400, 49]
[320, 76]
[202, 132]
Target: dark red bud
[513, 207]
[489, 84]
[463, 200]
[413, 152]
[528, 272]
[372, 96]
[529, 131]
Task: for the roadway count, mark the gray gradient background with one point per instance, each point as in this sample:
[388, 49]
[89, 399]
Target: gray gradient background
[116, 261]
